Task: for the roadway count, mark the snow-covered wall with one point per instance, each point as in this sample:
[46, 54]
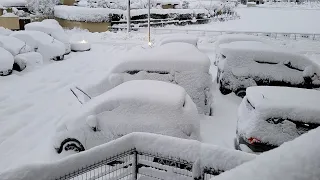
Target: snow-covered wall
[189, 150]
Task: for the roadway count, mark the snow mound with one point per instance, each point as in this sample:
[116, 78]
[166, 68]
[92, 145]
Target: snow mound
[14, 45]
[46, 45]
[260, 61]
[9, 15]
[84, 14]
[169, 57]
[31, 59]
[52, 28]
[295, 160]
[6, 60]
[190, 39]
[188, 150]
[4, 31]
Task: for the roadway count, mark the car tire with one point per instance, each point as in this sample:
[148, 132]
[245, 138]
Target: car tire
[70, 144]
[6, 73]
[224, 90]
[19, 67]
[241, 92]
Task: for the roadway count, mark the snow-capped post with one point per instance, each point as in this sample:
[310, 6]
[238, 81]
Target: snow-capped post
[135, 165]
[129, 17]
[149, 39]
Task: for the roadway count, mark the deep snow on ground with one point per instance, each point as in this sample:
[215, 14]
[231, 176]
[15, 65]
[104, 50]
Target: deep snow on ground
[31, 102]
[269, 20]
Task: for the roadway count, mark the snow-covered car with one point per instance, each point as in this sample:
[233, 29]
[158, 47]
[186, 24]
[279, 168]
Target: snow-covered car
[186, 38]
[52, 28]
[269, 116]
[228, 38]
[6, 62]
[47, 46]
[15, 46]
[135, 106]
[178, 63]
[248, 63]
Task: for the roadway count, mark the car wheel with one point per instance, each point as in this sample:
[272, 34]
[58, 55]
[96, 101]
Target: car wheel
[6, 73]
[224, 90]
[19, 66]
[70, 144]
[241, 92]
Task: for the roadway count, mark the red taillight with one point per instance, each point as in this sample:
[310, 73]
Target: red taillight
[253, 140]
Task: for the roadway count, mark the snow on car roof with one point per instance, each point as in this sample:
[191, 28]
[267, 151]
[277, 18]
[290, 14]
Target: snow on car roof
[227, 38]
[286, 102]
[294, 160]
[186, 38]
[169, 57]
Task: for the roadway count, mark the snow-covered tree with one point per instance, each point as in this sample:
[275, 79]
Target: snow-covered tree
[44, 7]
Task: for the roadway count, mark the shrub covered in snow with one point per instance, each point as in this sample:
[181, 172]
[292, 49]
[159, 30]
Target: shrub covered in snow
[270, 116]
[177, 63]
[135, 106]
[6, 62]
[244, 64]
[44, 7]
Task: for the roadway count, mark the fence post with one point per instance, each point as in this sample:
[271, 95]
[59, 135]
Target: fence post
[135, 165]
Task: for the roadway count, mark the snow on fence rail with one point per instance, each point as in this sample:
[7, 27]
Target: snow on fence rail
[203, 32]
[137, 155]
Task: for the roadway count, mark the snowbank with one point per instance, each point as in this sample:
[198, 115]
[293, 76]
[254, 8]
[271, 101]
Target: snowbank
[84, 14]
[14, 45]
[178, 63]
[179, 38]
[6, 60]
[10, 3]
[295, 160]
[260, 61]
[134, 106]
[4, 31]
[188, 150]
[278, 103]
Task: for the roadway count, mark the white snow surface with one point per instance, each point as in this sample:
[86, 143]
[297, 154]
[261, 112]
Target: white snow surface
[189, 150]
[4, 31]
[295, 160]
[169, 57]
[14, 45]
[191, 39]
[256, 59]
[31, 59]
[6, 60]
[9, 3]
[46, 45]
[228, 38]
[84, 14]
[279, 102]
[52, 28]
[134, 106]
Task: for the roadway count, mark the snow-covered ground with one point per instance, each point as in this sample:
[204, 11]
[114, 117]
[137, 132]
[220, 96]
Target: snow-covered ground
[31, 102]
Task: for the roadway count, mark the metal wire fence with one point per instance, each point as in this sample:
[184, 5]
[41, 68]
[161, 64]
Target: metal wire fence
[135, 165]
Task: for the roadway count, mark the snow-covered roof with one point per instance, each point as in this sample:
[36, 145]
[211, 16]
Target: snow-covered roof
[166, 146]
[166, 58]
[294, 103]
[187, 38]
[294, 160]
[9, 3]
[227, 38]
